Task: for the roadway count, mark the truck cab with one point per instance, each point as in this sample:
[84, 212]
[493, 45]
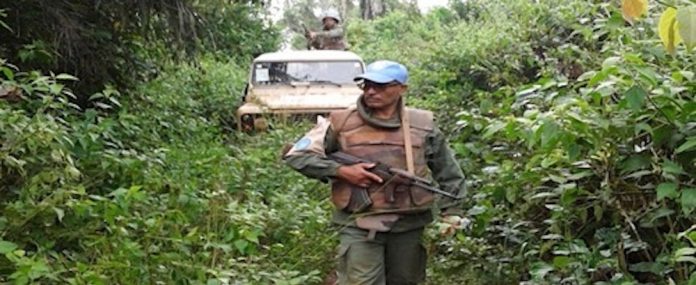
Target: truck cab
[304, 83]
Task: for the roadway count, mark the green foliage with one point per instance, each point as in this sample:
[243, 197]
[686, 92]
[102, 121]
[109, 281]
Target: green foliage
[576, 131]
[576, 128]
[119, 42]
[235, 31]
[155, 192]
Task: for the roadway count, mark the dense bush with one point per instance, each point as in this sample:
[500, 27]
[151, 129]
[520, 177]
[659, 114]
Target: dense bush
[155, 192]
[576, 128]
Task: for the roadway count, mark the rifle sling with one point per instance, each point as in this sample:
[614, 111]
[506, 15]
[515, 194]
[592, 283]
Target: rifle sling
[408, 145]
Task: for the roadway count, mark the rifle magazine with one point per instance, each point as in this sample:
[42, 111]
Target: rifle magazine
[359, 201]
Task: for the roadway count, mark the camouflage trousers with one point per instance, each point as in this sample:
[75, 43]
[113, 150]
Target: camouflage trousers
[388, 259]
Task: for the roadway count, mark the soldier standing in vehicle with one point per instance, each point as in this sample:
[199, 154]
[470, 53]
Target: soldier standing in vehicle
[331, 36]
[382, 242]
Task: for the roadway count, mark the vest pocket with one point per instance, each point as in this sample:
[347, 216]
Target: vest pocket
[349, 198]
[420, 196]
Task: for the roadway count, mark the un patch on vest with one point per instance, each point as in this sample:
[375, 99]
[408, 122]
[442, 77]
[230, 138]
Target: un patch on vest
[302, 144]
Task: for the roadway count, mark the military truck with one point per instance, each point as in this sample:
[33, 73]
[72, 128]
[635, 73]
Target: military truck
[298, 84]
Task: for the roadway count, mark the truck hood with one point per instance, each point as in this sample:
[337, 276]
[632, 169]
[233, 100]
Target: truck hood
[305, 98]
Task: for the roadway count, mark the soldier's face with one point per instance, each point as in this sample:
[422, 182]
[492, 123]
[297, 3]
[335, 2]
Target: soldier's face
[329, 22]
[382, 95]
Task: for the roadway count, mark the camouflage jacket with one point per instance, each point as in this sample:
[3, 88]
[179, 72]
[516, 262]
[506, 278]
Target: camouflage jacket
[330, 39]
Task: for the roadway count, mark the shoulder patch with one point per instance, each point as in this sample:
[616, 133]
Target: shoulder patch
[312, 141]
[302, 144]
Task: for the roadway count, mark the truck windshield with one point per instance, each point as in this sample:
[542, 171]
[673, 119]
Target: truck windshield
[334, 72]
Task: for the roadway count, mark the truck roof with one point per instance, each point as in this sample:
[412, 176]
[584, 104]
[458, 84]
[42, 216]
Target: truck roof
[308, 55]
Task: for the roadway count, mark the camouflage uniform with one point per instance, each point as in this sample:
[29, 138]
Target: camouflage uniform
[395, 256]
[329, 39]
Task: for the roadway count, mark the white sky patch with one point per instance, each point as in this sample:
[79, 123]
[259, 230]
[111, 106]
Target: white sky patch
[427, 5]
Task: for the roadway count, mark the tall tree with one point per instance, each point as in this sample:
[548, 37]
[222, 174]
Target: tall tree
[369, 9]
[101, 41]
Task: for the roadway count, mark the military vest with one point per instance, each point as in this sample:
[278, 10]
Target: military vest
[332, 43]
[360, 138]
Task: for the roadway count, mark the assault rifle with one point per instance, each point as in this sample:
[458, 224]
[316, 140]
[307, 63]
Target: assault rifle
[389, 175]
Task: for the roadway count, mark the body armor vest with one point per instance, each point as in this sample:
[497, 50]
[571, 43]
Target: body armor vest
[333, 43]
[360, 138]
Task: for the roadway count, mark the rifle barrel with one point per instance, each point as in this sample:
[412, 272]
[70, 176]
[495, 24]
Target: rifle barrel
[436, 190]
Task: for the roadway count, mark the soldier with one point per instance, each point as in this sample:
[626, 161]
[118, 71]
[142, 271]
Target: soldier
[381, 244]
[331, 36]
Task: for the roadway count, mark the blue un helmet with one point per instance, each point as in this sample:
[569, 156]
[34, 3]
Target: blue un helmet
[384, 71]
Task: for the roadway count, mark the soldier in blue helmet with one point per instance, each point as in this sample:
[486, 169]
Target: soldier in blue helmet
[381, 243]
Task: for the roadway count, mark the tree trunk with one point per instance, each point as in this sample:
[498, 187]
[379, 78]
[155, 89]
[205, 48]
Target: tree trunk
[369, 9]
[344, 9]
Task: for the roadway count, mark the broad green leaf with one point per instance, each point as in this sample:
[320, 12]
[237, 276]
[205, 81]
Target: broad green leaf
[672, 168]
[685, 251]
[688, 145]
[493, 129]
[611, 61]
[686, 258]
[649, 75]
[569, 197]
[667, 28]
[7, 72]
[573, 151]
[602, 75]
[55, 88]
[96, 96]
[686, 17]
[540, 269]
[641, 127]
[636, 97]
[7, 247]
[633, 163]
[667, 190]
[632, 9]
[241, 245]
[662, 134]
[688, 200]
[64, 76]
[549, 161]
[59, 213]
[651, 267]
[550, 132]
[561, 261]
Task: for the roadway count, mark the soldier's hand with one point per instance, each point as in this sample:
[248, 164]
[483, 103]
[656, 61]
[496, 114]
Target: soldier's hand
[452, 223]
[358, 174]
